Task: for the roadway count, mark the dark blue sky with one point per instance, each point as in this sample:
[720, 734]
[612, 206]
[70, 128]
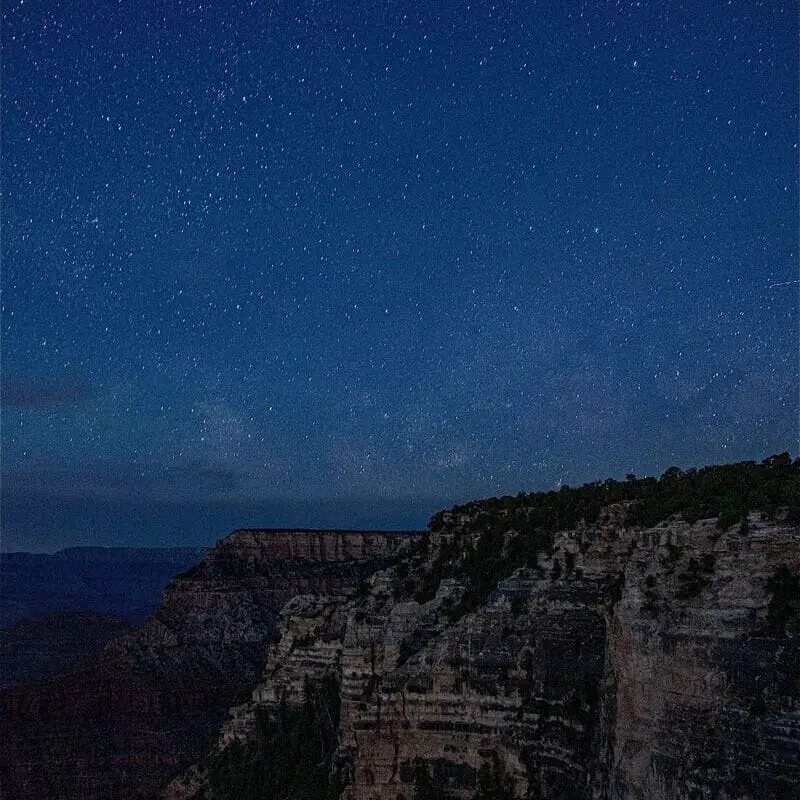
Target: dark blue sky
[313, 263]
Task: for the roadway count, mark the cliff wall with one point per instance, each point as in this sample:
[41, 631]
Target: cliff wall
[622, 641]
[623, 662]
[647, 668]
[152, 699]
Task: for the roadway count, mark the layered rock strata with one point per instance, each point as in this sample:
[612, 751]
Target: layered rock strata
[152, 699]
[625, 663]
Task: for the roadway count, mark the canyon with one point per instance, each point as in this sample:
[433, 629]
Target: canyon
[670, 682]
[149, 702]
[625, 640]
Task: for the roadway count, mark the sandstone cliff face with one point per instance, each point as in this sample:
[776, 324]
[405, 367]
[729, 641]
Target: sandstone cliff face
[577, 644]
[707, 684]
[625, 663]
[152, 699]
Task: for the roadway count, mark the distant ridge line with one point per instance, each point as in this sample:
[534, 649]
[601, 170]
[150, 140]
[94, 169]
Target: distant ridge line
[407, 532]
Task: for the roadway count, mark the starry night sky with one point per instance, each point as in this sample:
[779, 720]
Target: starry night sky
[347, 263]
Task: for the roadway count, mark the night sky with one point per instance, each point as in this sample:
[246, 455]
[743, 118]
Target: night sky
[344, 264]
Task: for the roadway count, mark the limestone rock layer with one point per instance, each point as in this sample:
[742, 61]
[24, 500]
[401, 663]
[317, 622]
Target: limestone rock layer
[625, 662]
[152, 700]
[623, 641]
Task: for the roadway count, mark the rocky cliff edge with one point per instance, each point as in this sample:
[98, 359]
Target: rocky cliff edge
[556, 646]
[153, 699]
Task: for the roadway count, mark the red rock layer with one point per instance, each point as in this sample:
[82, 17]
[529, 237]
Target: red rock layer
[151, 700]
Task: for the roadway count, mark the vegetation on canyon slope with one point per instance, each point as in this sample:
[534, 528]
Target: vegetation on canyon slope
[289, 756]
[512, 531]
[727, 492]
[479, 544]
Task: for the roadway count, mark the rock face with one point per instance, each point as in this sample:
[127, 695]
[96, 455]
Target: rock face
[625, 662]
[121, 726]
[669, 681]
[623, 641]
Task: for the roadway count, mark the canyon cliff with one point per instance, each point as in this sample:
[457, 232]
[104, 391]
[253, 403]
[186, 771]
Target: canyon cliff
[121, 726]
[626, 640]
[622, 641]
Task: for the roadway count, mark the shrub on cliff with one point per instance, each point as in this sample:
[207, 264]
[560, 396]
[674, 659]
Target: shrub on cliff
[784, 605]
[493, 781]
[425, 787]
[485, 540]
[287, 757]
